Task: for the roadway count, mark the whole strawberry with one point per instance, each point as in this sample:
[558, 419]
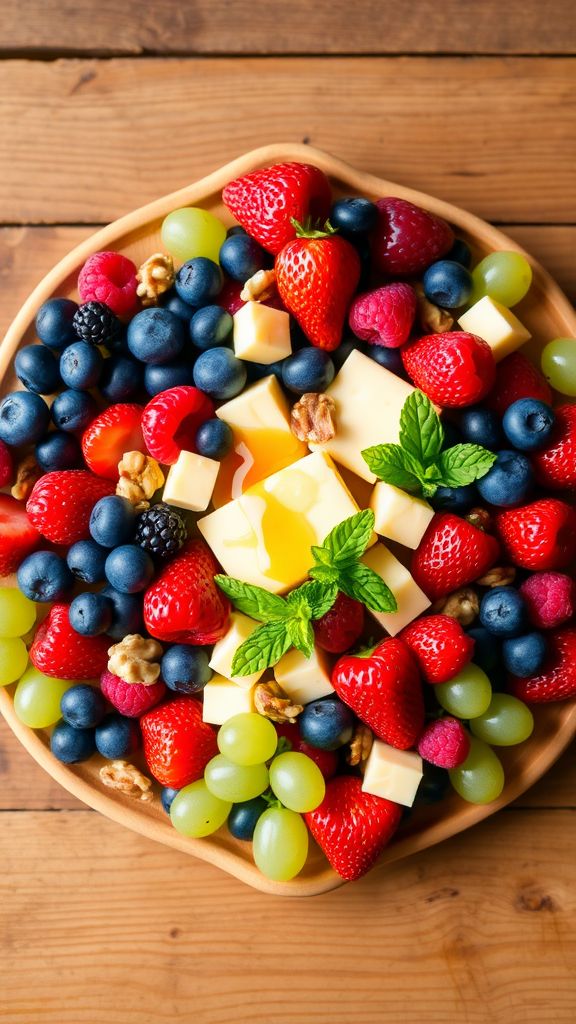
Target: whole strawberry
[541, 535]
[18, 537]
[444, 743]
[60, 504]
[183, 604]
[440, 646]
[316, 275]
[385, 315]
[352, 827]
[557, 680]
[516, 377]
[340, 627]
[61, 652]
[454, 369]
[407, 239]
[131, 699]
[177, 743]
[266, 202]
[452, 554]
[115, 431]
[555, 465]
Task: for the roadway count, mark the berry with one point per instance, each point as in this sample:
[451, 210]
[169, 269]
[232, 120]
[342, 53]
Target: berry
[37, 369]
[447, 284]
[241, 257]
[109, 277]
[24, 418]
[71, 745]
[525, 655]
[384, 316]
[486, 652]
[117, 736]
[131, 699]
[61, 503]
[407, 239]
[81, 366]
[55, 323]
[557, 679]
[185, 669]
[211, 327]
[460, 253]
[6, 465]
[243, 817]
[95, 323]
[354, 215]
[454, 499]
[538, 536]
[509, 480]
[90, 614]
[550, 598]
[555, 465]
[83, 706]
[177, 743]
[183, 604]
[439, 645]
[86, 561]
[73, 410]
[59, 651]
[310, 369]
[171, 419]
[516, 378]
[326, 724]
[58, 450]
[214, 439]
[18, 537]
[219, 373]
[229, 298]
[452, 554]
[129, 569]
[161, 530]
[528, 424]
[453, 369]
[44, 576]
[167, 795]
[112, 521]
[503, 612]
[116, 430]
[156, 335]
[127, 615]
[434, 785]
[199, 281]
[478, 425]
[170, 375]
[444, 743]
[121, 378]
[340, 627]
[389, 358]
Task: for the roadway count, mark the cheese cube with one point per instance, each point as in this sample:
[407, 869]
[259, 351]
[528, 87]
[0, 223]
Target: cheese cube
[392, 774]
[304, 679]
[261, 333]
[222, 699]
[368, 400]
[497, 325]
[241, 627]
[190, 482]
[398, 515]
[410, 599]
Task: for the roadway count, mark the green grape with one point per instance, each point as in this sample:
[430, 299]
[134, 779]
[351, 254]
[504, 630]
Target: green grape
[506, 722]
[467, 694]
[192, 232]
[196, 812]
[17, 613]
[229, 781]
[297, 781]
[247, 739]
[559, 365]
[504, 276]
[13, 659]
[280, 844]
[480, 779]
[37, 698]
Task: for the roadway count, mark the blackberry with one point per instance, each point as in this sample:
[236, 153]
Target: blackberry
[161, 530]
[95, 323]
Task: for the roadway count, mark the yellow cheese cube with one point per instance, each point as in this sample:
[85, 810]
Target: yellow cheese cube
[190, 482]
[497, 325]
[410, 599]
[392, 774]
[304, 679]
[261, 333]
[240, 629]
[398, 515]
[222, 699]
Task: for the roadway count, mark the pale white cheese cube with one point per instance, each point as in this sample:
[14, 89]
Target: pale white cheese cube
[190, 482]
[261, 333]
[498, 326]
[241, 627]
[222, 699]
[398, 515]
[304, 679]
[410, 599]
[392, 774]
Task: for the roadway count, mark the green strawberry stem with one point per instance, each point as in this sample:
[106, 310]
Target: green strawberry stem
[307, 229]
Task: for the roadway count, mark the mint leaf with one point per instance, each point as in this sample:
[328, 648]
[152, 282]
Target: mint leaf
[363, 584]
[463, 464]
[301, 635]
[349, 540]
[321, 555]
[319, 597]
[264, 647]
[324, 573]
[254, 601]
[389, 463]
[421, 432]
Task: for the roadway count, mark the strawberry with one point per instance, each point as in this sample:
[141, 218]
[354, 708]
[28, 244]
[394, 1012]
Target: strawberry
[555, 465]
[352, 827]
[557, 680]
[407, 239]
[444, 743]
[18, 537]
[451, 554]
[171, 419]
[61, 652]
[383, 688]
[183, 604]
[61, 502]
[177, 743]
[440, 646]
[131, 699]
[541, 535]
[340, 627]
[115, 431]
[384, 316]
[6, 465]
[454, 369]
[265, 202]
[316, 276]
[517, 377]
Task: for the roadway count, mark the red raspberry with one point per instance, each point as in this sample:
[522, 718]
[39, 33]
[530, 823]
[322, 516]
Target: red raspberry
[115, 431]
[550, 598]
[171, 420]
[444, 743]
[60, 504]
[555, 465]
[407, 239]
[110, 277]
[384, 316]
[454, 369]
[131, 699]
[517, 377]
[6, 465]
[440, 646]
[341, 626]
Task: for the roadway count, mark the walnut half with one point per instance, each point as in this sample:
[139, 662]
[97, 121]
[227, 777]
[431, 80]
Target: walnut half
[140, 477]
[271, 702]
[127, 779]
[135, 659]
[312, 418]
[155, 276]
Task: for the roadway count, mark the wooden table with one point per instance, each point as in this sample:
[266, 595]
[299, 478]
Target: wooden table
[103, 106]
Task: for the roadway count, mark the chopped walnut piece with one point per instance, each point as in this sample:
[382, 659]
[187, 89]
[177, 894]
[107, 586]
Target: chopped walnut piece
[312, 418]
[259, 287]
[271, 702]
[140, 478]
[135, 659]
[127, 779]
[479, 517]
[499, 576]
[155, 276]
[433, 319]
[27, 474]
[463, 605]
[360, 744]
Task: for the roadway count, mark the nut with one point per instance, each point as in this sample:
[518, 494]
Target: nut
[127, 779]
[463, 605]
[312, 418]
[140, 478]
[433, 319]
[271, 702]
[27, 474]
[480, 518]
[134, 659]
[360, 744]
[155, 276]
[260, 286]
[499, 576]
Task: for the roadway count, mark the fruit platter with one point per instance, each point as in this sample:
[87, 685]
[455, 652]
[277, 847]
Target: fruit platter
[287, 536]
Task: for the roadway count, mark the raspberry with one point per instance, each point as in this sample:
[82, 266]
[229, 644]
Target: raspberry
[161, 530]
[131, 699]
[171, 419]
[95, 323]
[110, 277]
[444, 743]
[384, 316]
[550, 598]
[341, 626]
[6, 465]
[407, 239]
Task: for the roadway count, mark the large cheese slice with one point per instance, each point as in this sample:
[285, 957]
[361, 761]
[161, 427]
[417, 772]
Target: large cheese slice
[261, 333]
[241, 627]
[190, 482]
[392, 774]
[497, 325]
[410, 599]
[304, 679]
[398, 515]
[221, 699]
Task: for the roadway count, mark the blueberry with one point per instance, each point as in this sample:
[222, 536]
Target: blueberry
[71, 745]
[24, 417]
[117, 736]
[73, 410]
[354, 215]
[90, 614]
[362, 246]
[219, 373]
[389, 358]
[44, 576]
[454, 499]
[86, 560]
[528, 424]
[452, 435]
[199, 281]
[172, 301]
[326, 724]
[256, 371]
[185, 669]
[503, 612]
[508, 482]
[112, 521]
[58, 450]
[127, 615]
[480, 426]
[236, 229]
[80, 366]
[129, 569]
[156, 335]
[170, 375]
[214, 439]
[525, 655]
[211, 326]
[121, 378]
[311, 369]
[241, 257]
[54, 324]
[447, 284]
[167, 795]
[434, 785]
[486, 651]
[37, 368]
[83, 706]
[243, 817]
[345, 348]
[460, 253]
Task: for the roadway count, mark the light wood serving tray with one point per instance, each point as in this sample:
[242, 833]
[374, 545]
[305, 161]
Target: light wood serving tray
[546, 312]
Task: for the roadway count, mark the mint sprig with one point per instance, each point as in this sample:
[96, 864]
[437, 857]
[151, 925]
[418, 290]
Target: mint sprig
[338, 562]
